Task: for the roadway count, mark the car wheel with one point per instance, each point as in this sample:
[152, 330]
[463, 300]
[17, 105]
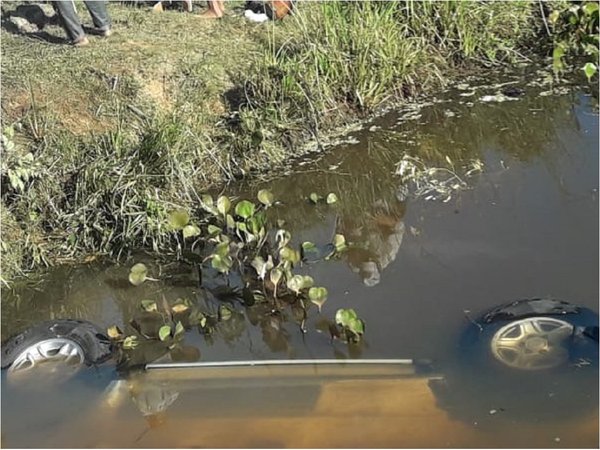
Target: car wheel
[527, 360]
[532, 335]
[72, 343]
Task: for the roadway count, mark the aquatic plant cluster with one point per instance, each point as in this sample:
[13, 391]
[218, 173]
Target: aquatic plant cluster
[575, 31]
[239, 256]
[93, 160]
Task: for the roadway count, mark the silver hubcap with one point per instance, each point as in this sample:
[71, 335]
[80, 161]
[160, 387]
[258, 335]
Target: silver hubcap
[56, 351]
[533, 343]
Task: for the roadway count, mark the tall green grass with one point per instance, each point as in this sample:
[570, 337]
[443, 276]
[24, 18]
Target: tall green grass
[354, 56]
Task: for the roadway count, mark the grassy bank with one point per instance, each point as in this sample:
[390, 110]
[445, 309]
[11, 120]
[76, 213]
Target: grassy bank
[101, 142]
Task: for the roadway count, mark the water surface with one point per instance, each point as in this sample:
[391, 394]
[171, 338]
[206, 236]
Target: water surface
[527, 227]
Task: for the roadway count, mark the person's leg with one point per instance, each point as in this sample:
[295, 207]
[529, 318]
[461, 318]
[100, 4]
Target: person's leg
[100, 17]
[69, 20]
[215, 10]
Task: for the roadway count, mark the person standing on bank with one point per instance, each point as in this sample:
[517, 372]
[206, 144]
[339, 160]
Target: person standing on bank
[72, 25]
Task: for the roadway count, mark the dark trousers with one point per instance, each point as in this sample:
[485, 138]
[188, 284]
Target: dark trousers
[70, 21]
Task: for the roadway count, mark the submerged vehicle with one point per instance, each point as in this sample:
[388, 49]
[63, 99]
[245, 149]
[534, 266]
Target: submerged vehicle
[529, 362]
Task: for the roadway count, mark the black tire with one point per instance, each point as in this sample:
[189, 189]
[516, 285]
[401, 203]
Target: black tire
[95, 344]
[476, 342]
[478, 388]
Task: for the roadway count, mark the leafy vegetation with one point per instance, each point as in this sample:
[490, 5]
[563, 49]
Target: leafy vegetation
[238, 255]
[575, 32]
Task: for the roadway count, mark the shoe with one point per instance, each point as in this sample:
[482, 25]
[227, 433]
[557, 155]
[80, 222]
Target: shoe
[105, 33]
[82, 42]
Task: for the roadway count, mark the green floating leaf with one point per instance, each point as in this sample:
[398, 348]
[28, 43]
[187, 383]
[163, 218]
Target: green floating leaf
[275, 275]
[295, 284]
[262, 266]
[254, 223]
[207, 200]
[289, 254]
[590, 8]
[213, 230]
[190, 231]
[179, 329]
[222, 249]
[331, 198]
[196, 318]
[339, 241]
[265, 197]
[225, 313]
[114, 332]
[179, 308]
[223, 205]
[149, 305]
[318, 296]
[230, 222]
[130, 342]
[348, 319]
[245, 209]
[282, 237]
[222, 263]
[138, 274]
[307, 282]
[164, 332]
[179, 219]
[314, 197]
[308, 246]
[590, 70]
[208, 204]
[357, 326]
[313, 253]
[557, 55]
[280, 223]
[343, 316]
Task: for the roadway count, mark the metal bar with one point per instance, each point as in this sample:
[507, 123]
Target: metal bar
[277, 362]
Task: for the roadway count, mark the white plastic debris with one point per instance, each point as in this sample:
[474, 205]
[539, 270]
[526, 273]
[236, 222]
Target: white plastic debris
[255, 17]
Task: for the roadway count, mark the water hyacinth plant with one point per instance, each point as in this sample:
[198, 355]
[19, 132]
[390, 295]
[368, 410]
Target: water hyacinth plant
[241, 256]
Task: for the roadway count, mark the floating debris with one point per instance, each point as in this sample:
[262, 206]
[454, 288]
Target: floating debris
[499, 98]
[435, 183]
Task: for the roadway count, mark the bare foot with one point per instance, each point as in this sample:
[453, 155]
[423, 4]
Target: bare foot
[209, 14]
[82, 42]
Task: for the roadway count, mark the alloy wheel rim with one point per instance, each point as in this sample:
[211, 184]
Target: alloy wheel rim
[58, 351]
[534, 343]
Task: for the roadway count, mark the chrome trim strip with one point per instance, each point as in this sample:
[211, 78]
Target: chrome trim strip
[277, 362]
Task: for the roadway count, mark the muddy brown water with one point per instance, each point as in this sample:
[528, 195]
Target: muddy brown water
[526, 227]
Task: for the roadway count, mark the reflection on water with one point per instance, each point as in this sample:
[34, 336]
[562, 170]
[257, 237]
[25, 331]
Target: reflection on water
[374, 406]
[528, 227]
